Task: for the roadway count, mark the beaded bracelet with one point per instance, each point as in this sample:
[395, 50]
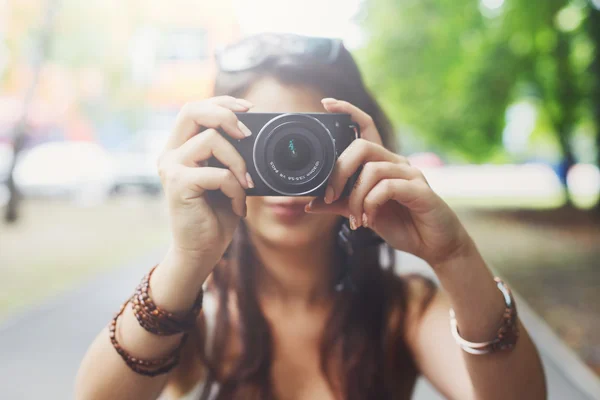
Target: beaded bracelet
[507, 335]
[149, 368]
[156, 320]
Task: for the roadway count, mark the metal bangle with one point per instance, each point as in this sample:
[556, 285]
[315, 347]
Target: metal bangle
[507, 335]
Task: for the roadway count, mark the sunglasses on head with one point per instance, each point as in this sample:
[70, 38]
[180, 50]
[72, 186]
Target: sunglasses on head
[258, 50]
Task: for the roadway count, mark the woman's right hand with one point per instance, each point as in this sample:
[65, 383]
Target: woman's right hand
[202, 222]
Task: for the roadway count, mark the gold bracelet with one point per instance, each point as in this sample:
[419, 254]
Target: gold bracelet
[507, 335]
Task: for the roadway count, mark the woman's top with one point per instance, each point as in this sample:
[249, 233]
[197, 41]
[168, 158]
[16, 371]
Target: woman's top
[209, 309]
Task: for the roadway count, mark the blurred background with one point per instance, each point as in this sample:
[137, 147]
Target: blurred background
[498, 101]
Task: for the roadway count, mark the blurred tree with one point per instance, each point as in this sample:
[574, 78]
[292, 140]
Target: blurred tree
[39, 55]
[441, 71]
[549, 65]
[70, 34]
[593, 27]
[449, 69]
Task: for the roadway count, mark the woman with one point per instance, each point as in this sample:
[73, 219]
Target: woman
[293, 320]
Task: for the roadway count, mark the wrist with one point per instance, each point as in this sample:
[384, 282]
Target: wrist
[178, 279]
[472, 292]
[463, 252]
[191, 260]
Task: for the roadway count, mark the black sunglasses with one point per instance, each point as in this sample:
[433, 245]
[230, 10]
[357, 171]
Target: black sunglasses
[258, 50]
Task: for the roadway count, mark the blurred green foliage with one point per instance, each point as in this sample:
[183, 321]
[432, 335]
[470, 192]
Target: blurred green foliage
[449, 69]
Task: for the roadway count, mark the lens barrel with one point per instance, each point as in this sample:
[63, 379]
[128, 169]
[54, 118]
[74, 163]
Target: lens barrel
[294, 154]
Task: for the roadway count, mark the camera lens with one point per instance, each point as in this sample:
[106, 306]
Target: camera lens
[292, 153]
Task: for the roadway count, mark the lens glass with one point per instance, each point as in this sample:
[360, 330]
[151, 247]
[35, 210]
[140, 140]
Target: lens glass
[293, 153]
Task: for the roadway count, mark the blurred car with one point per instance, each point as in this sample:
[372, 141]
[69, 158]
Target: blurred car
[79, 170]
[135, 163]
[498, 185]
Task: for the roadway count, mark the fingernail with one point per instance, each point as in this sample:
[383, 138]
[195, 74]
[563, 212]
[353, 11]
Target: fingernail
[249, 180]
[308, 207]
[329, 195]
[329, 100]
[352, 222]
[244, 103]
[244, 129]
[239, 107]
[365, 220]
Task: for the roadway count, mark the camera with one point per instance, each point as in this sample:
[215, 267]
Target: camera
[293, 154]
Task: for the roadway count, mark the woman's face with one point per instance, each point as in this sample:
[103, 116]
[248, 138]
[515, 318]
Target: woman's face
[281, 221]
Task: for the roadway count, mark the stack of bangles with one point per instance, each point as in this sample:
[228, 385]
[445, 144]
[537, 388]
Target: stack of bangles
[158, 322]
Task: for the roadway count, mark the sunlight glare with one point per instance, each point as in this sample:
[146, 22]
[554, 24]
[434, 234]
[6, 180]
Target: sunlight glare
[492, 4]
[332, 18]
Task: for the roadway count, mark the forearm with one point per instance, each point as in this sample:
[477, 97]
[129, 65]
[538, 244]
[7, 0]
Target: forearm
[103, 374]
[479, 305]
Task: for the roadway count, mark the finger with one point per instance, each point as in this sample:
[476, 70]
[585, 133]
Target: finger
[198, 180]
[410, 193]
[213, 113]
[368, 130]
[318, 206]
[357, 153]
[371, 174]
[211, 143]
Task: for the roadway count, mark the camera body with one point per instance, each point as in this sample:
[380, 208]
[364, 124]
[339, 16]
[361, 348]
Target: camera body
[293, 154]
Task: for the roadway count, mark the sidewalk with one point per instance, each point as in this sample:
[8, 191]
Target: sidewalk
[40, 351]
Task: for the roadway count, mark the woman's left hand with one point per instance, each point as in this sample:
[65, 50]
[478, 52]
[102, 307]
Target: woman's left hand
[391, 197]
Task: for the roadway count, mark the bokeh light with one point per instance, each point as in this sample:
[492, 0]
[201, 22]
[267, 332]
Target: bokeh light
[492, 4]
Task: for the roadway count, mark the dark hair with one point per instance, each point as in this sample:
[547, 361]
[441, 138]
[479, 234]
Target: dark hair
[363, 353]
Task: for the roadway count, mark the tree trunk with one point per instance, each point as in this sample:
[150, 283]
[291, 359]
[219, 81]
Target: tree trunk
[40, 54]
[568, 97]
[593, 27]
[11, 214]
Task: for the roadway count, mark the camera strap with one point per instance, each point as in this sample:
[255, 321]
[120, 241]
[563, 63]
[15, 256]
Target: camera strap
[351, 242]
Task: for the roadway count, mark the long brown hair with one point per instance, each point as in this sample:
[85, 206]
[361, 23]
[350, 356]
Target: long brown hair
[363, 353]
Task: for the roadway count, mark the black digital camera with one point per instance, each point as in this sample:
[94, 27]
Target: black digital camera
[293, 154]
